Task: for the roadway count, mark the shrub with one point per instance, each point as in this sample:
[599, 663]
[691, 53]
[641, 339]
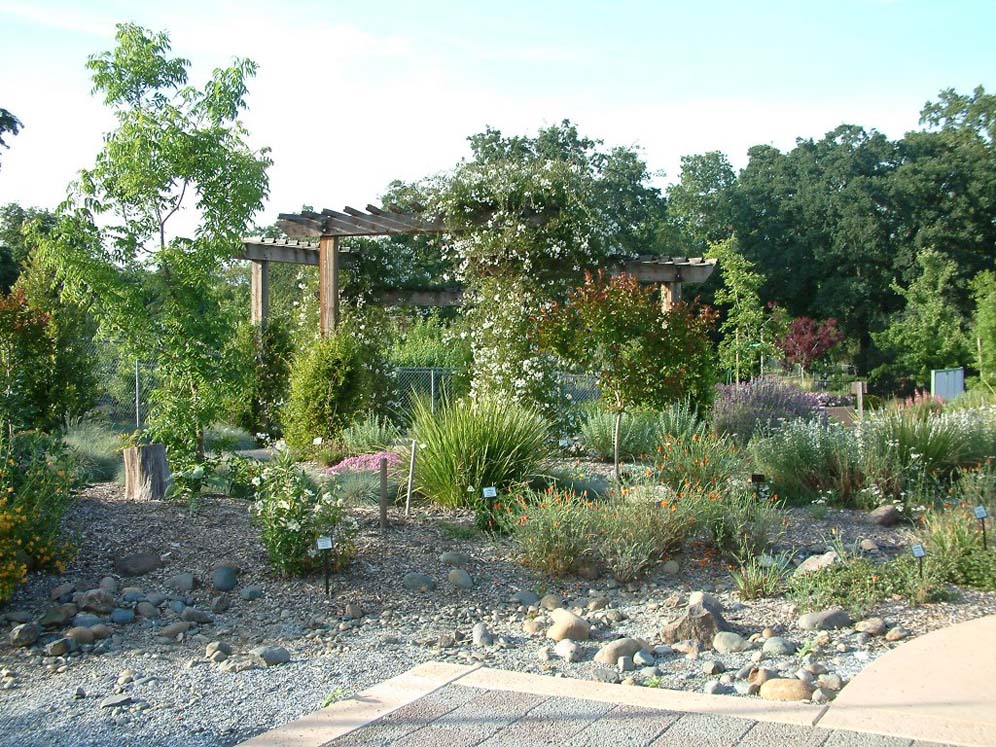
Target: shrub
[97, 449]
[369, 434]
[27, 394]
[742, 410]
[681, 420]
[805, 460]
[472, 444]
[554, 531]
[735, 521]
[265, 356]
[637, 433]
[698, 459]
[429, 343]
[332, 382]
[293, 512]
[37, 474]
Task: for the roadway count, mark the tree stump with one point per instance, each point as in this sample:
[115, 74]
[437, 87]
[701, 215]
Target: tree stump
[147, 474]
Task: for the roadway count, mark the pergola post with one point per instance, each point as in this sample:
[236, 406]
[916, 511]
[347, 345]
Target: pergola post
[328, 284]
[670, 294]
[259, 289]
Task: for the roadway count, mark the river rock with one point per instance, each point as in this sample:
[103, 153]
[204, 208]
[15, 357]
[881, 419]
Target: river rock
[137, 564]
[194, 615]
[60, 647]
[174, 629]
[897, 633]
[220, 604]
[452, 557]
[81, 635]
[551, 602]
[568, 650]
[252, 593]
[526, 598]
[726, 642]
[611, 652]
[96, 600]
[418, 582]
[25, 634]
[271, 656]
[885, 516]
[568, 625]
[62, 591]
[481, 636]
[182, 582]
[109, 584]
[778, 646]
[697, 624]
[829, 619]
[460, 579]
[783, 688]
[815, 563]
[225, 578]
[121, 616]
[533, 626]
[101, 631]
[759, 675]
[707, 600]
[871, 626]
[116, 701]
[58, 617]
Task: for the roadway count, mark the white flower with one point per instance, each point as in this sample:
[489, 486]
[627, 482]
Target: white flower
[318, 441]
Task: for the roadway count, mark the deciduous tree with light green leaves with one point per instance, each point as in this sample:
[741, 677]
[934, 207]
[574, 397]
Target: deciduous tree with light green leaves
[929, 332]
[984, 328]
[176, 147]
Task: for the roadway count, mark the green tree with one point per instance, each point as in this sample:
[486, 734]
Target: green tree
[175, 147]
[743, 344]
[984, 328]
[700, 205]
[929, 332]
[8, 123]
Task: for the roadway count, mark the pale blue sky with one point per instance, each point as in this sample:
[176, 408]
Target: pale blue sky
[351, 95]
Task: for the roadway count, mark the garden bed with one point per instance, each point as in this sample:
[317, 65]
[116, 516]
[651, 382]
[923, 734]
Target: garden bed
[174, 695]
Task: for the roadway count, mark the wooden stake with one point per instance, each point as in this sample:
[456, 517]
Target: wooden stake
[328, 284]
[411, 478]
[259, 288]
[383, 493]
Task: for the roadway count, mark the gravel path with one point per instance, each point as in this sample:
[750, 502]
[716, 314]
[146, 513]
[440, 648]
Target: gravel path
[179, 697]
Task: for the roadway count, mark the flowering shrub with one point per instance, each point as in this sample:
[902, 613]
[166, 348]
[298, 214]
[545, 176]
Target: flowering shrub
[37, 476]
[742, 410]
[293, 512]
[365, 463]
[698, 458]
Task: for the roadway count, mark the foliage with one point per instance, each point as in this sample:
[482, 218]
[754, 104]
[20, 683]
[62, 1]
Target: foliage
[240, 476]
[293, 512]
[681, 420]
[370, 434]
[37, 475]
[743, 345]
[265, 356]
[701, 459]
[807, 341]
[174, 146]
[429, 343]
[984, 328]
[97, 449]
[759, 579]
[760, 405]
[331, 383]
[929, 332]
[700, 205]
[27, 394]
[738, 523]
[637, 433]
[472, 444]
[8, 123]
[366, 462]
[811, 459]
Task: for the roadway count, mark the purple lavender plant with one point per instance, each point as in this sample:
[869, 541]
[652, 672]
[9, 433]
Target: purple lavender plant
[743, 410]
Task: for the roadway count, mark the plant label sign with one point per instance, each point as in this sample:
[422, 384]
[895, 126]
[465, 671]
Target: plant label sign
[981, 513]
[324, 543]
[918, 551]
[491, 492]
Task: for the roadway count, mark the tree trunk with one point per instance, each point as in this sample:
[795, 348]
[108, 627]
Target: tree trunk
[615, 443]
[147, 475]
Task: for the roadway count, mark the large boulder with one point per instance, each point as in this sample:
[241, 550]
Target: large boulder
[568, 625]
[696, 624]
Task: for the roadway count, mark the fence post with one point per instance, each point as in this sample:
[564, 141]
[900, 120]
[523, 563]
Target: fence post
[383, 493]
[138, 411]
[432, 390]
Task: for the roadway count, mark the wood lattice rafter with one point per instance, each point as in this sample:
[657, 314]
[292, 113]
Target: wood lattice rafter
[387, 221]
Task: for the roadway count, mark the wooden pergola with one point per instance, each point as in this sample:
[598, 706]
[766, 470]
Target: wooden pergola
[316, 240]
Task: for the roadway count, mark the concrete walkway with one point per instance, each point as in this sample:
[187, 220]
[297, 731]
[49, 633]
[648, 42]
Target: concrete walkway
[927, 692]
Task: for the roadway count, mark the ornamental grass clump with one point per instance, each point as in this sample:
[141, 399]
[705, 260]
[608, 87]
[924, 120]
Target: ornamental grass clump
[761, 405]
[292, 512]
[637, 433]
[808, 460]
[369, 434]
[472, 444]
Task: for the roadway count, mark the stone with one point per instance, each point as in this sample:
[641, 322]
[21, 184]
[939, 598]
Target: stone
[597, 603]
[707, 600]
[354, 611]
[19, 616]
[745, 688]
[832, 682]
[96, 600]
[821, 696]
[220, 604]
[116, 701]
[711, 668]
[671, 568]
[225, 578]
[182, 582]
[134, 595]
[551, 602]
[156, 598]
[194, 615]
[460, 579]
[109, 584]
[174, 629]
[24, 634]
[778, 646]
[544, 654]
[137, 564]
[871, 626]
[251, 593]
[868, 545]
[271, 656]
[897, 633]
[79, 694]
[568, 650]
[481, 636]
[568, 625]
[726, 642]
[82, 636]
[715, 687]
[218, 651]
[625, 664]
[611, 652]
[644, 658]
[239, 664]
[805, 676]
[455, 558]
[58, 617]
[815, 563]
[86, 620]
[61, 591]
[177, 605]
[101, 631]
[601, 674]
[60, 647]
[418, 582]
[829, 619]
[526, 598]
[786, 689]
[697, 624]
[885, 516]
[533, 626]
[759, 675]
[121, 616]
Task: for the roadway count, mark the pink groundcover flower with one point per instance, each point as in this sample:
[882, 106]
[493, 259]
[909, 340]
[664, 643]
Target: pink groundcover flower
[364, 463]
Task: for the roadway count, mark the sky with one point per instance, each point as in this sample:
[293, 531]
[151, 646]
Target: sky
[351, 95]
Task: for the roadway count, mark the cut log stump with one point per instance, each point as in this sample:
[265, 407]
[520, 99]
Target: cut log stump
[147, 475]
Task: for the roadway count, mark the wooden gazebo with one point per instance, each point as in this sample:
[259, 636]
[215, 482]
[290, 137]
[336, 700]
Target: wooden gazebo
[315, 240]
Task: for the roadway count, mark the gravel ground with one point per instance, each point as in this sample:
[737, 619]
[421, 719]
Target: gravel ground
[178, 697]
